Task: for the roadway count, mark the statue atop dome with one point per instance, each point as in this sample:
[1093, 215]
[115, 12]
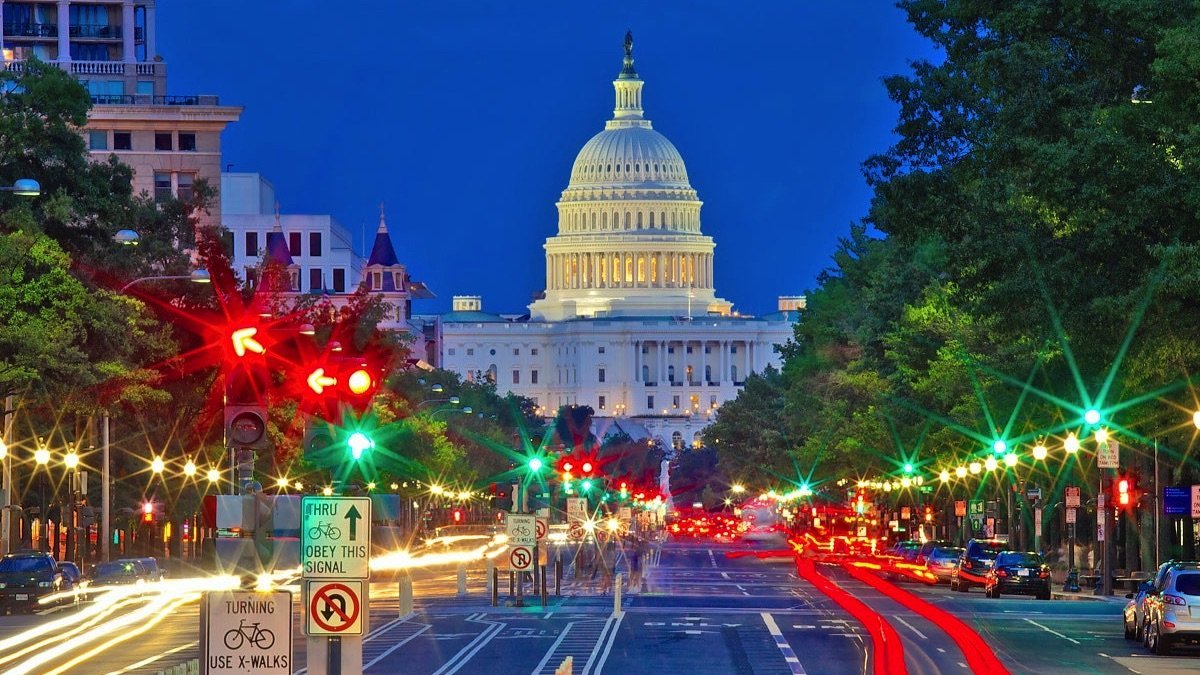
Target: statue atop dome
[629, 43]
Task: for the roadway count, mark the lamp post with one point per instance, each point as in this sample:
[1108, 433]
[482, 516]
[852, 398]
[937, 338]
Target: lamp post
[200, 276]
[24, 187]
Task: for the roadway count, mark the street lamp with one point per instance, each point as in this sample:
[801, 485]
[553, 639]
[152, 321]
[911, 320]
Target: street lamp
[200, 276]
[189, 469]
[24, 187]
[157, 465]
[214, 475]
[1071, 445]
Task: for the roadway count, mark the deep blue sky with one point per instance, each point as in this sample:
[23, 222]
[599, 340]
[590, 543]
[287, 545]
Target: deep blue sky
[465, 118]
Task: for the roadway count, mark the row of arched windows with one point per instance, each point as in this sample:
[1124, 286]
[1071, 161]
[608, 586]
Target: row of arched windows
[581, 220]
[667, 169]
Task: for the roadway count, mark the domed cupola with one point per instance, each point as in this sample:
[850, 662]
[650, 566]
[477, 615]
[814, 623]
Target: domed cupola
[629, 240]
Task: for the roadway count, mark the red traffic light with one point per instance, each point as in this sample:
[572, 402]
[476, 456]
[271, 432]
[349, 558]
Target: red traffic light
[587, 468]
[1123, 492]
[147, 512]
[458, 516]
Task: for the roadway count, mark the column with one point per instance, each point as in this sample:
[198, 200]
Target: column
[549, 273]
[151, 44]
[724, 361]
[64, 32]
[637, 362]
[662, 362]
[703, 364]
[127, 32]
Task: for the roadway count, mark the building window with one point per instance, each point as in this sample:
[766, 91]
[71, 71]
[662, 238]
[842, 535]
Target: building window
[708, 373]
[451, 351]
[314, 243]
[315, 280]
[601, 405]
[164, 141]
[516, 377]
[697, 441]
[533, 351]
[670, 373]
[670, 350]
[339, 280]
[144, 87]
[252, 244]
[533, 377]
[645, 373]
[187, 141]
[675, 402]
[294, 244]
[649, 403]
[695, 400]
[712, 402]
[677, 440]
[184, 188]
[470, 351]
[732, 349]
[162, 186]
[376, 280]
[601, 350]
[733, 374]
[122, 140]
[516, 351]
[689, 349]
[97, 140]
[601, 375]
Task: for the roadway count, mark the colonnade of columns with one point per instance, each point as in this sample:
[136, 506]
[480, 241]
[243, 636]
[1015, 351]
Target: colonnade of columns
[628, 270]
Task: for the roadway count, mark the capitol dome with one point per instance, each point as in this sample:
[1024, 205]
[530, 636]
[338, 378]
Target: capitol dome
[629, 240]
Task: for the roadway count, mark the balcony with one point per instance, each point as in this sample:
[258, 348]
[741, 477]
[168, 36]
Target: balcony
[95, 32]
[145, 99]
[33, 30]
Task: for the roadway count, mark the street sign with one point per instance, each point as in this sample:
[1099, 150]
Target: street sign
[1037, 522]
[520, 557]
[246, 631]
[333, 607]
[1196, 501]
[335, 537]
[1033, 493]
[960, 508]
[521, 529]
[1108, 455]
[543, 526]
[1177, 500]
[575, 531]
[976, 507]
[1100, 529]
[1071, 516]
[1072, 497]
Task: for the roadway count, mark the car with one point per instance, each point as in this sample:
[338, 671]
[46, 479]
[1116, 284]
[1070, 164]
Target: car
[119, 572]
[974, 563]
[1134, 616]
[1023, 573]
[149, 565]
[27, 576]
[941, 562]
[1169, 618]
[928, 546]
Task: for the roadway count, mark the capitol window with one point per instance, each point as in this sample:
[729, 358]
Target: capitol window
[650, 403]
[600, 375]
[600, 349]
[516, 351]
[533, 377]
[533, 351]
[451, 351]
[470, 351]
[602, 401]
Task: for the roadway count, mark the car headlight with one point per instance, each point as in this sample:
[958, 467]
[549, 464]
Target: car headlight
[43, 584]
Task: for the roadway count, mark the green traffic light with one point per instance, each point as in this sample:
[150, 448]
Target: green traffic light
[1092, 416]
[535, 464]
[359, 443]
[586, 485]
[908, 467]
[999, 446]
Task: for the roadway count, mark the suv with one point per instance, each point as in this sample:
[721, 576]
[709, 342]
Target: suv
[1017, 572]
[928, 547]
[1169, 619]
[975, 562]
[1135, 610]
[27, 576]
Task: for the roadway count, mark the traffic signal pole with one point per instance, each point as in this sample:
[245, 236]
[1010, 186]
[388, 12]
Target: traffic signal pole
[1109, 543]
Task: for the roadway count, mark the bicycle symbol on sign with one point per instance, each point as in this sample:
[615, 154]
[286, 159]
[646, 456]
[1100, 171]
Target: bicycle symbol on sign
[521, 531]
[259, 637]
[326, 530]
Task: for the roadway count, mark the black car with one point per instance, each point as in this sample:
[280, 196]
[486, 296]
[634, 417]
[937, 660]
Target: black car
[26, 577]
[975, 562]
[1020, 573]
[119, 572]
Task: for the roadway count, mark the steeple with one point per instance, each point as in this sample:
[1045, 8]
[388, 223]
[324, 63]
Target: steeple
[628, 110]
[382, 252]
[277, 247]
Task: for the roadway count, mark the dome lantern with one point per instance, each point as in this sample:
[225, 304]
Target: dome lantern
[629, 91]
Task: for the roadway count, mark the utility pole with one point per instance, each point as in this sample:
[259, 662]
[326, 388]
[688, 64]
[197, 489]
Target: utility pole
[7, 524]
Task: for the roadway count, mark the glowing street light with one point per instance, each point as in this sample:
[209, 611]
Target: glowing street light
[214, 475]
[944, 476]
[908, 467]
[990, 464]
[1102, 435]
[975, 468]
[327, 491]
[960, 472]
[1092, 416]
[1195, 421]
[1011, 459]
[1071, 445]
[1039, 452]
[738, 488]
[42, 454]
[282, 482]
[157, 465]
[71, 460]
[189, 469]
[3, 449]
[999, 447]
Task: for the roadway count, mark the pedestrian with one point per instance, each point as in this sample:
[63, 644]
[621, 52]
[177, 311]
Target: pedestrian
[635, 563]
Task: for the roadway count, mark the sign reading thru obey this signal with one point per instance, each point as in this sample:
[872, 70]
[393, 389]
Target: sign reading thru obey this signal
[334, 608]
[335, 537]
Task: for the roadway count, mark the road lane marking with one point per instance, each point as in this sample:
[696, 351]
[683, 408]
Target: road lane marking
[725, 574]
[1052, 632]
[593, 666]
[712, 558]
[152, 659]
[548, 615]
[464, 655]
[396, 646]
[960, 663]
[911, 627]
[941, 650]
[788, 654]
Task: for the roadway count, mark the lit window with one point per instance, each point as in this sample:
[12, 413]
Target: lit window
[602, 401]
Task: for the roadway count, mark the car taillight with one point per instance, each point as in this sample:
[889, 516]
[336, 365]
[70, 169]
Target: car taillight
[967, 564]
[1173, 599]
[1044, 573]
[1001, 573]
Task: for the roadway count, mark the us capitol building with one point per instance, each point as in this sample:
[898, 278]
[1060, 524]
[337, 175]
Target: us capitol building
[629, 322]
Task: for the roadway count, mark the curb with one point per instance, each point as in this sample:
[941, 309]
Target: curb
[1085, 598]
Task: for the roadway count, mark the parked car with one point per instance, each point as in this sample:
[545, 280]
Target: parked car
[119, 572]
[928, 547]
[974, 563]
[150, 566]
[1134, 616]
[941, 561]
[26, 577]
[1169, 618]
[1020, 573]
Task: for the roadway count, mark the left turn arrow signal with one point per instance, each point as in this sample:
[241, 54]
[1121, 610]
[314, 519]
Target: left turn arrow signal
[318, 380]
[243, 341]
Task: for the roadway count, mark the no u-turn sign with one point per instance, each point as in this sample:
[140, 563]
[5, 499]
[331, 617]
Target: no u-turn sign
[333, 607]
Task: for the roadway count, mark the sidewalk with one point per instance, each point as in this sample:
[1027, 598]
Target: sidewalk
[1088, 595]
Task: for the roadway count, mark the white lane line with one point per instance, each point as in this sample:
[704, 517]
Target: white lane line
[912, 627]
[725, 574]
[1052, 632]
[464, 655]
[396, 646]
[941, 650]
[593, 666]
[788, 654]
[712, 558]
[962, 665]
[152, 659]
[548, 615]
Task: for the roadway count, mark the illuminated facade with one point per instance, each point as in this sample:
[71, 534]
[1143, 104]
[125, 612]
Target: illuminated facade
[629, 323]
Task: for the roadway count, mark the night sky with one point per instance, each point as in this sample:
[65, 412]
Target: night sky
[465, 118]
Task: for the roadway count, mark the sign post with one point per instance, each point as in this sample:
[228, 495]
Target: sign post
[246, 631]
[335, 556]
[522, 541]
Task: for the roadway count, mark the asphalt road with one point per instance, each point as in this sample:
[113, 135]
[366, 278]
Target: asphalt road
[701, 612]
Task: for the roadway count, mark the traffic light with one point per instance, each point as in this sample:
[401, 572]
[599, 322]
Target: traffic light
[318, 440]
[457, 514]
[1125, 491]
[358, 443]
[247, 383]
[148, 513]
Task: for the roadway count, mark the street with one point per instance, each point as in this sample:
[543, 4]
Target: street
[701, 612]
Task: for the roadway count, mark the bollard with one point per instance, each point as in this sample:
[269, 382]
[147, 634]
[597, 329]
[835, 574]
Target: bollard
[617, 595]
[512, 584]
[462, 580]
[558, 574]
[545, 599]
[491, 566]
[406, 594]
[495, 583]
[536, 588]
